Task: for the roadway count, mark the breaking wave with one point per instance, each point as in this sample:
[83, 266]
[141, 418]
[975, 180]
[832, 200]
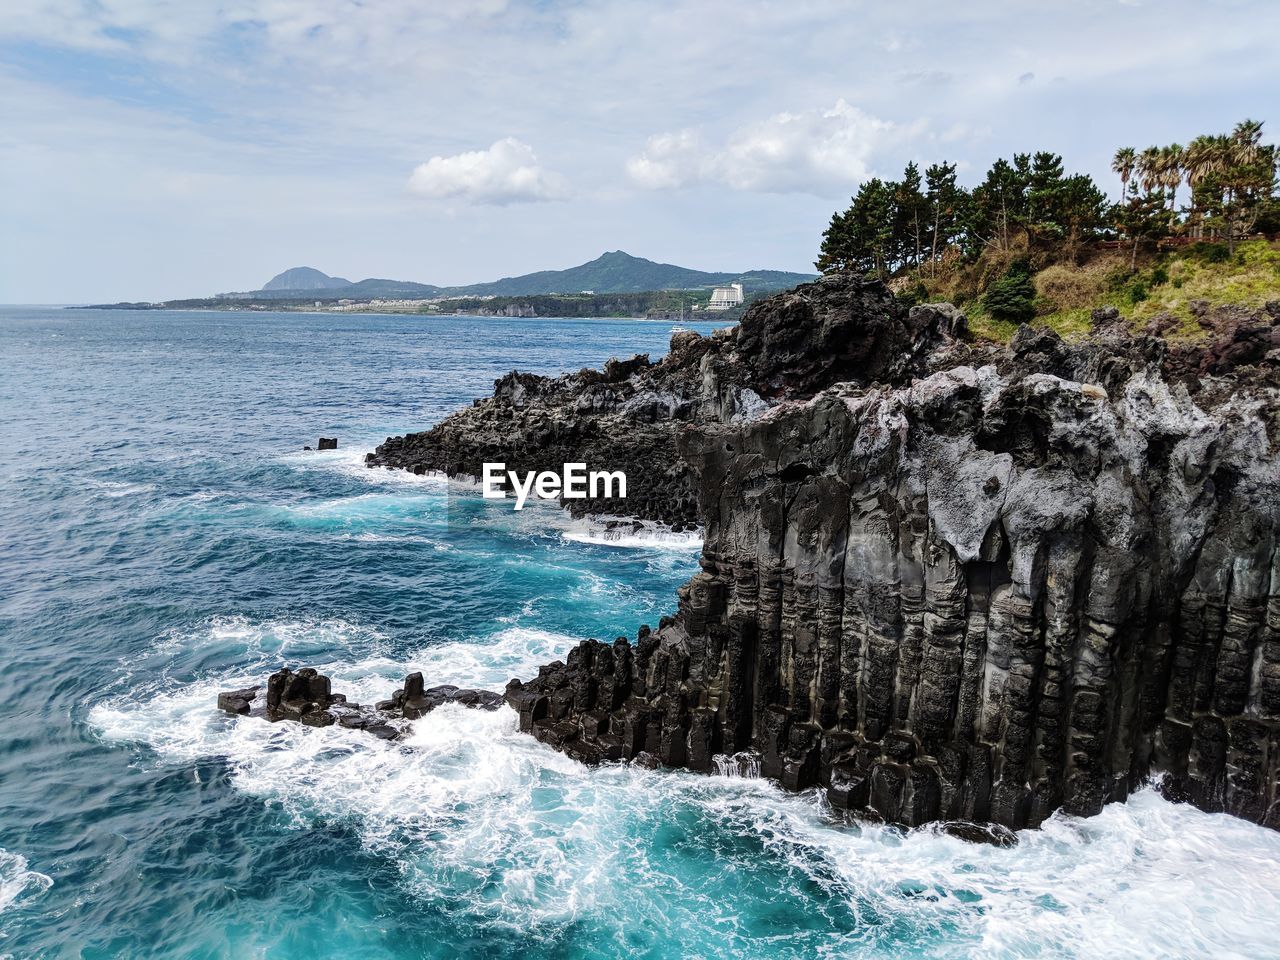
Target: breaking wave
[519, 837]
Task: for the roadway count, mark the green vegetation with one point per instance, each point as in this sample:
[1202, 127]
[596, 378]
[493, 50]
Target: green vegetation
[1174, 283]
[1032, 242]
[1012, 297]
[894, 226]
[619, 272]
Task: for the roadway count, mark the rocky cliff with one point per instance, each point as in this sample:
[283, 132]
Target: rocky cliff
[629, 415]
[951, 581]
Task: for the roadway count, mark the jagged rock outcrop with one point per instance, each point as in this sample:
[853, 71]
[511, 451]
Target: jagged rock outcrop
[415, 699]
[966, 583]
[306, 696]
[629, 415]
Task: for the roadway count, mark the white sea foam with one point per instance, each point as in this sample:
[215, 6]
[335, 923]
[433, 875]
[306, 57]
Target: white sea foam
[625, 532]
[263, 643]
[538, 518]
[115, 489]
[349, 462]
[513, 833]
[18, 883]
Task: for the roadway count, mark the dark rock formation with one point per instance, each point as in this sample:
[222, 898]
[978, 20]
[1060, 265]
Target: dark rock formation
[306, 697]
[961, 583]
[1238, 337]
[327, 443]
[416, 700]
[628, 415]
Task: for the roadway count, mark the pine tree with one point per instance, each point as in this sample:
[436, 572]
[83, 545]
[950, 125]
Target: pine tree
[945, 202]
[910, 216]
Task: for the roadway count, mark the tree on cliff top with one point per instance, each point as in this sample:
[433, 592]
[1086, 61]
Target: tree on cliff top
[1031, 202]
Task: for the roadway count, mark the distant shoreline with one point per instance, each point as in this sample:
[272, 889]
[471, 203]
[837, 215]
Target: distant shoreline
[657, 305]
[726, 317]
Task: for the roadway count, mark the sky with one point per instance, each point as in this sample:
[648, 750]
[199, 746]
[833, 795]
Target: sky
[153, 149]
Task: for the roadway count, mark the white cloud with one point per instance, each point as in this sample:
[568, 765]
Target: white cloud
[248, 110]
[822, 152]
[671, 160]
[508, 172]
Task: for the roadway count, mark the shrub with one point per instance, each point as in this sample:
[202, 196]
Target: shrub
[1045, 305]
[1209, 252]
[1117, 279]
[1012, 297]
[1068, 288]
[912, 295]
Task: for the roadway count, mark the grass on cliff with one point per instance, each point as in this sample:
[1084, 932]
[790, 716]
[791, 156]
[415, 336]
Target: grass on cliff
[1170, 284]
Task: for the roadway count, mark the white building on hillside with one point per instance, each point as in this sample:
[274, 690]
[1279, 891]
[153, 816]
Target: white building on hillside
[722, 298]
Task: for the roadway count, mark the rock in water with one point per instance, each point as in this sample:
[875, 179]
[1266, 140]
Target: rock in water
[962, 583]
[307, 697]
[237, 701]
[327, 443]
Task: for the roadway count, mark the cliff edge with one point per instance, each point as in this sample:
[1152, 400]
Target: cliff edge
[946, 580]
[629, 415]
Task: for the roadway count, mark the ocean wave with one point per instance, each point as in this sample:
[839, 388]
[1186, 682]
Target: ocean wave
[350, 462]
[19, 884]
[368, 507]
[513, 834]
[358, 654]
[259, 643]
[627, 532]
[116, 489]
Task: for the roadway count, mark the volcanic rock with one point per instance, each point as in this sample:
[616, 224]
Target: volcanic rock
[306, 697]
[629, 415]
[954, 582]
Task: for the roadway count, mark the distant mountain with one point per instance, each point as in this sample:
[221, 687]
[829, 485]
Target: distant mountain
[619, 272]
[304, 278]
[404, 289]
[615, 272]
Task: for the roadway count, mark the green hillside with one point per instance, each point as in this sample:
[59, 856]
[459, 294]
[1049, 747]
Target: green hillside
[615, 272]
[1195, 227]
[619, 272]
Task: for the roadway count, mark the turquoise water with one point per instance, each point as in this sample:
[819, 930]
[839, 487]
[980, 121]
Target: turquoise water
[164, 537]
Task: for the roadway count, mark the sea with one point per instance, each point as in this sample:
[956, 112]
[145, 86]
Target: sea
[164, 536]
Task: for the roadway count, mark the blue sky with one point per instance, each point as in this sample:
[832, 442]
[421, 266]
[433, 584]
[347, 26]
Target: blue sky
[154, 149]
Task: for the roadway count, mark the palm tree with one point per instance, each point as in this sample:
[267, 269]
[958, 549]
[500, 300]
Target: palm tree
[1248, 133]
[1171, 171]
[1148, 167]
[1202, 158]
[1123, 163]
[1241, 152]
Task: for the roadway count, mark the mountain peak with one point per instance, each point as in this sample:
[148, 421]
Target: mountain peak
[614, 271]
[304, 278]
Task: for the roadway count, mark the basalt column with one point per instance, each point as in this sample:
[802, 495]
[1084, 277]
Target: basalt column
[987, 594]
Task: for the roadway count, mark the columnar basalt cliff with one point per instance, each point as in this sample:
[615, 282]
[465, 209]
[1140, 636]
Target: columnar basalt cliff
[946, 581]
[629, 415]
